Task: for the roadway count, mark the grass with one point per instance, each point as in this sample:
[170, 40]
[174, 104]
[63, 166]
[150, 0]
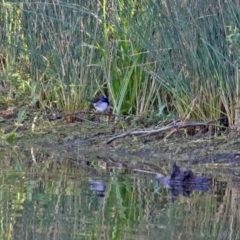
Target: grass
[145, 56]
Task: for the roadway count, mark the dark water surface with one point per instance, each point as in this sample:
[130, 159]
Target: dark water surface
[47, 196]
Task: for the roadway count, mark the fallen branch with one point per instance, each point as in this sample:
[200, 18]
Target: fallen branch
[178, 125]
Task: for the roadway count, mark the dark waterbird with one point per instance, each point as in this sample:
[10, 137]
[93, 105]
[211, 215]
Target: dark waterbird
[184, 182]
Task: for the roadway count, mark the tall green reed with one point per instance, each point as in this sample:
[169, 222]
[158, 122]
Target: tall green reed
[143, 55]
[124, 58]
[196, 33]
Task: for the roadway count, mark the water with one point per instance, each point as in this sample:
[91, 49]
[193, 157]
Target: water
[50, 196]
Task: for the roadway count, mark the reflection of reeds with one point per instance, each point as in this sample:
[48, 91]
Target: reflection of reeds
[54, 191]
[146, 56]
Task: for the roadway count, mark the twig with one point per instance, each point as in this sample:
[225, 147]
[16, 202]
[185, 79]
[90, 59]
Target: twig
[176, 126]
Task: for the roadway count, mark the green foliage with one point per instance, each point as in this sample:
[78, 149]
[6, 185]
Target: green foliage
[21, 114]
[143, 55]
[233, 38]
[10, 138]
[7, 138]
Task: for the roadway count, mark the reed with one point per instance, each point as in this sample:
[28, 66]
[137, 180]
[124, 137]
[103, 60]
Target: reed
[144, 55]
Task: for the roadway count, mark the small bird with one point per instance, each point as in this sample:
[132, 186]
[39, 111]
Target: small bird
[98, 186]
[101, 104]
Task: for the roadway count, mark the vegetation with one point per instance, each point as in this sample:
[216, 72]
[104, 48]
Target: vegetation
[153, 59]
[150, 57]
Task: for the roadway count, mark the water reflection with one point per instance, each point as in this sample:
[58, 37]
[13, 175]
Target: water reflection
[55, 200]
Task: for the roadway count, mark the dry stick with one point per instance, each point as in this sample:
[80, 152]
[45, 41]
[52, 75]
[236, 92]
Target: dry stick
[127, 166]
[162, 129]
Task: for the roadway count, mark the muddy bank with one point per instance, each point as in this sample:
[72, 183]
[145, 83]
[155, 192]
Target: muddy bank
[87, 140]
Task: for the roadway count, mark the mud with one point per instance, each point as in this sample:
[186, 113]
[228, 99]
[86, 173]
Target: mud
[86, 141]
